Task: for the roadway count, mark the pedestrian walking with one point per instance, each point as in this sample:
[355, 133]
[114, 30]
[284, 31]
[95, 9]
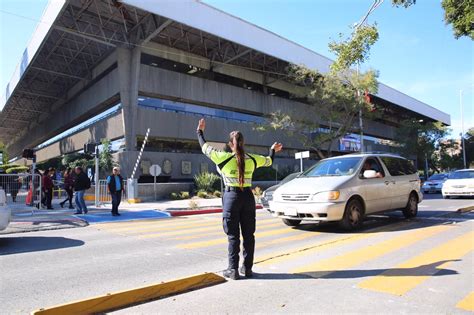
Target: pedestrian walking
[68, 187]
[115, 187]
[236, 169]
[48, 188]
[81, 184]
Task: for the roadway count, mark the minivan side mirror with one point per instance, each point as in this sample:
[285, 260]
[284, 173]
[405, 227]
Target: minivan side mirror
[370, 174]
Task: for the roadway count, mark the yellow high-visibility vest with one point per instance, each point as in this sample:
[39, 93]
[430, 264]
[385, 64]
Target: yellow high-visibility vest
[227, 165]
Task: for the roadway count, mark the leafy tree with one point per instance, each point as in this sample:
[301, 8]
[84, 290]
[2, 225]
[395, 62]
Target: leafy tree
[449, 155]
[469, 147]
[3, 150]
[420, 139]
[106, 161]
[333, 107]
[335, 99]
[459, 13]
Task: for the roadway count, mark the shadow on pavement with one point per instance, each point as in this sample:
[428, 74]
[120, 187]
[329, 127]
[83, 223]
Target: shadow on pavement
[420, 271]
[15, 245]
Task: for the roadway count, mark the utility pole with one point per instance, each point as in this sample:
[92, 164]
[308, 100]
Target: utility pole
[374, 6]
[462, 131]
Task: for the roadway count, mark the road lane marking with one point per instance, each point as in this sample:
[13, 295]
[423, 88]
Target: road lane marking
[415, 271]
[281, 256]
[361, 255]
[158, 230]
[175, 221]
[299, 237]
[467, 303]
[215, 227]
[261, 226]
[224, 239]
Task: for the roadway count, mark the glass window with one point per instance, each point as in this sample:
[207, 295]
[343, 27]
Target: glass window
[198, 110]
[334, 167]
[398, 166]
[462, 175]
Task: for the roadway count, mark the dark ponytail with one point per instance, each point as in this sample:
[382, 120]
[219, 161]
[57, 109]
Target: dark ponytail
[239, 154]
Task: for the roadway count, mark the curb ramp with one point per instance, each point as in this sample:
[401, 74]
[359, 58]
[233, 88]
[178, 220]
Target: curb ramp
[123, 299]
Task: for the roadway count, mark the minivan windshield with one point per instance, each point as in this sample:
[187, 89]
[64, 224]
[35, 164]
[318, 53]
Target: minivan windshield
[334, 167]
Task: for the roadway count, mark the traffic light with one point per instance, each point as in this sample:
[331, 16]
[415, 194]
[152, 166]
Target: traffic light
[89, 148]
[28, 153]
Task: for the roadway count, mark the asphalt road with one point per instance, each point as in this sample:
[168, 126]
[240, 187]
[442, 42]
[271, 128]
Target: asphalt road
[393, 265]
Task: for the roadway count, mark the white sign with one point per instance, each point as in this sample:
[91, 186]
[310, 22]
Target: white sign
[155, 170]
[302, 155]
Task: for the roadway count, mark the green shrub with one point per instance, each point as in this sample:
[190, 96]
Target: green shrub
[174, 196]
[184, 195]
[202, 194]
[218, 194]
[207, 181]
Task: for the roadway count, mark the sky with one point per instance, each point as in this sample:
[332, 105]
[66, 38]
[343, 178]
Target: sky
[416, 53]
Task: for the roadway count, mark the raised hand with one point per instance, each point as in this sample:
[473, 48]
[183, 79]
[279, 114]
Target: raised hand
[277, 147]
[201, 124]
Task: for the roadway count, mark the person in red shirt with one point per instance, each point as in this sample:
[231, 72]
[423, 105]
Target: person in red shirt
[48, 188]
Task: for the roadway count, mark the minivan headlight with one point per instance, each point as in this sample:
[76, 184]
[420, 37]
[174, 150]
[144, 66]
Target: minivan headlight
[326, 195]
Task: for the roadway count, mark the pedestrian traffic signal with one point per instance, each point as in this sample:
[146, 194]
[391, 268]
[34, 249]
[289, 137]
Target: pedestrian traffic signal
[89, 148]
[28, 153]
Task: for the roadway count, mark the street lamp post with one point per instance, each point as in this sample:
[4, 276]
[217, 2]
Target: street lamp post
[462, 131]
[463, 144]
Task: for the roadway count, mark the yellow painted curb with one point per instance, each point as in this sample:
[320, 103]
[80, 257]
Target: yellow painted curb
[135, 200]
[92, 198]
[466, 209]
[121, 299]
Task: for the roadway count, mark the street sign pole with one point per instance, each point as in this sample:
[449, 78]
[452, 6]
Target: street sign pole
[155, 170]
[301, 156]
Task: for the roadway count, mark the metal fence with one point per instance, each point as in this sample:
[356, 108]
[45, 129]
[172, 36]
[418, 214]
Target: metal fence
[22, 189]
[104, 195]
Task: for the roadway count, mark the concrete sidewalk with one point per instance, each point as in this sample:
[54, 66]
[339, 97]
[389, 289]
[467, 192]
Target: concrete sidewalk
[28, 219]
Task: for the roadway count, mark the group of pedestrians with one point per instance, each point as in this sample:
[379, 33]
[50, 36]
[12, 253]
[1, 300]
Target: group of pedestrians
[78, 182]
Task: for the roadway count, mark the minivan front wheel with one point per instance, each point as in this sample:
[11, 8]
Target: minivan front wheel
[353, 215]
[291, 222]
[411, 209]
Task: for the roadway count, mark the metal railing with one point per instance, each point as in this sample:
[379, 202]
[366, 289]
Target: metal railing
[22, 189]
[104, 195]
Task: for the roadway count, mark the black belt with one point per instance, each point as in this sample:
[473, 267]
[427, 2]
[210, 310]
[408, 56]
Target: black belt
[231, 188]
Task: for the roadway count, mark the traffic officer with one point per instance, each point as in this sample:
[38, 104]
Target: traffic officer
[236, 169]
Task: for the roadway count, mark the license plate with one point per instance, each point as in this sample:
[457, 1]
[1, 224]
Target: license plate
[291, 212]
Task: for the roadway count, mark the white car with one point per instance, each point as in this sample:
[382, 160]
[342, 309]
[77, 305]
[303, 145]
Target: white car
[434, 183]
[460, 183]
[5, 211]
[346, 188]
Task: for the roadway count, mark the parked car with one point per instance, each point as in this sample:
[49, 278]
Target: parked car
[460, 183]
[5, 211]
[347, 188]
[267, 194]
[434, 183]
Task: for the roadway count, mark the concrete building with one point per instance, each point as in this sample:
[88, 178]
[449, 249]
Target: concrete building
[116, 69]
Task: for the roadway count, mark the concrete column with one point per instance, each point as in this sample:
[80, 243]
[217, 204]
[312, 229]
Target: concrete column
[128, 63]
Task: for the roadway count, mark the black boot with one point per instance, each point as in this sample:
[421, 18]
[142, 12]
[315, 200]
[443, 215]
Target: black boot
[247, 272]
[231, 274]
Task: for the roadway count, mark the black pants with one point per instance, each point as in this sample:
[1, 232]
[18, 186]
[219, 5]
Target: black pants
[70, 193]
[116, 198]
[239, 213]
[48, 194]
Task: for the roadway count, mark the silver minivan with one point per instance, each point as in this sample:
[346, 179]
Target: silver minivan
[346, 188]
